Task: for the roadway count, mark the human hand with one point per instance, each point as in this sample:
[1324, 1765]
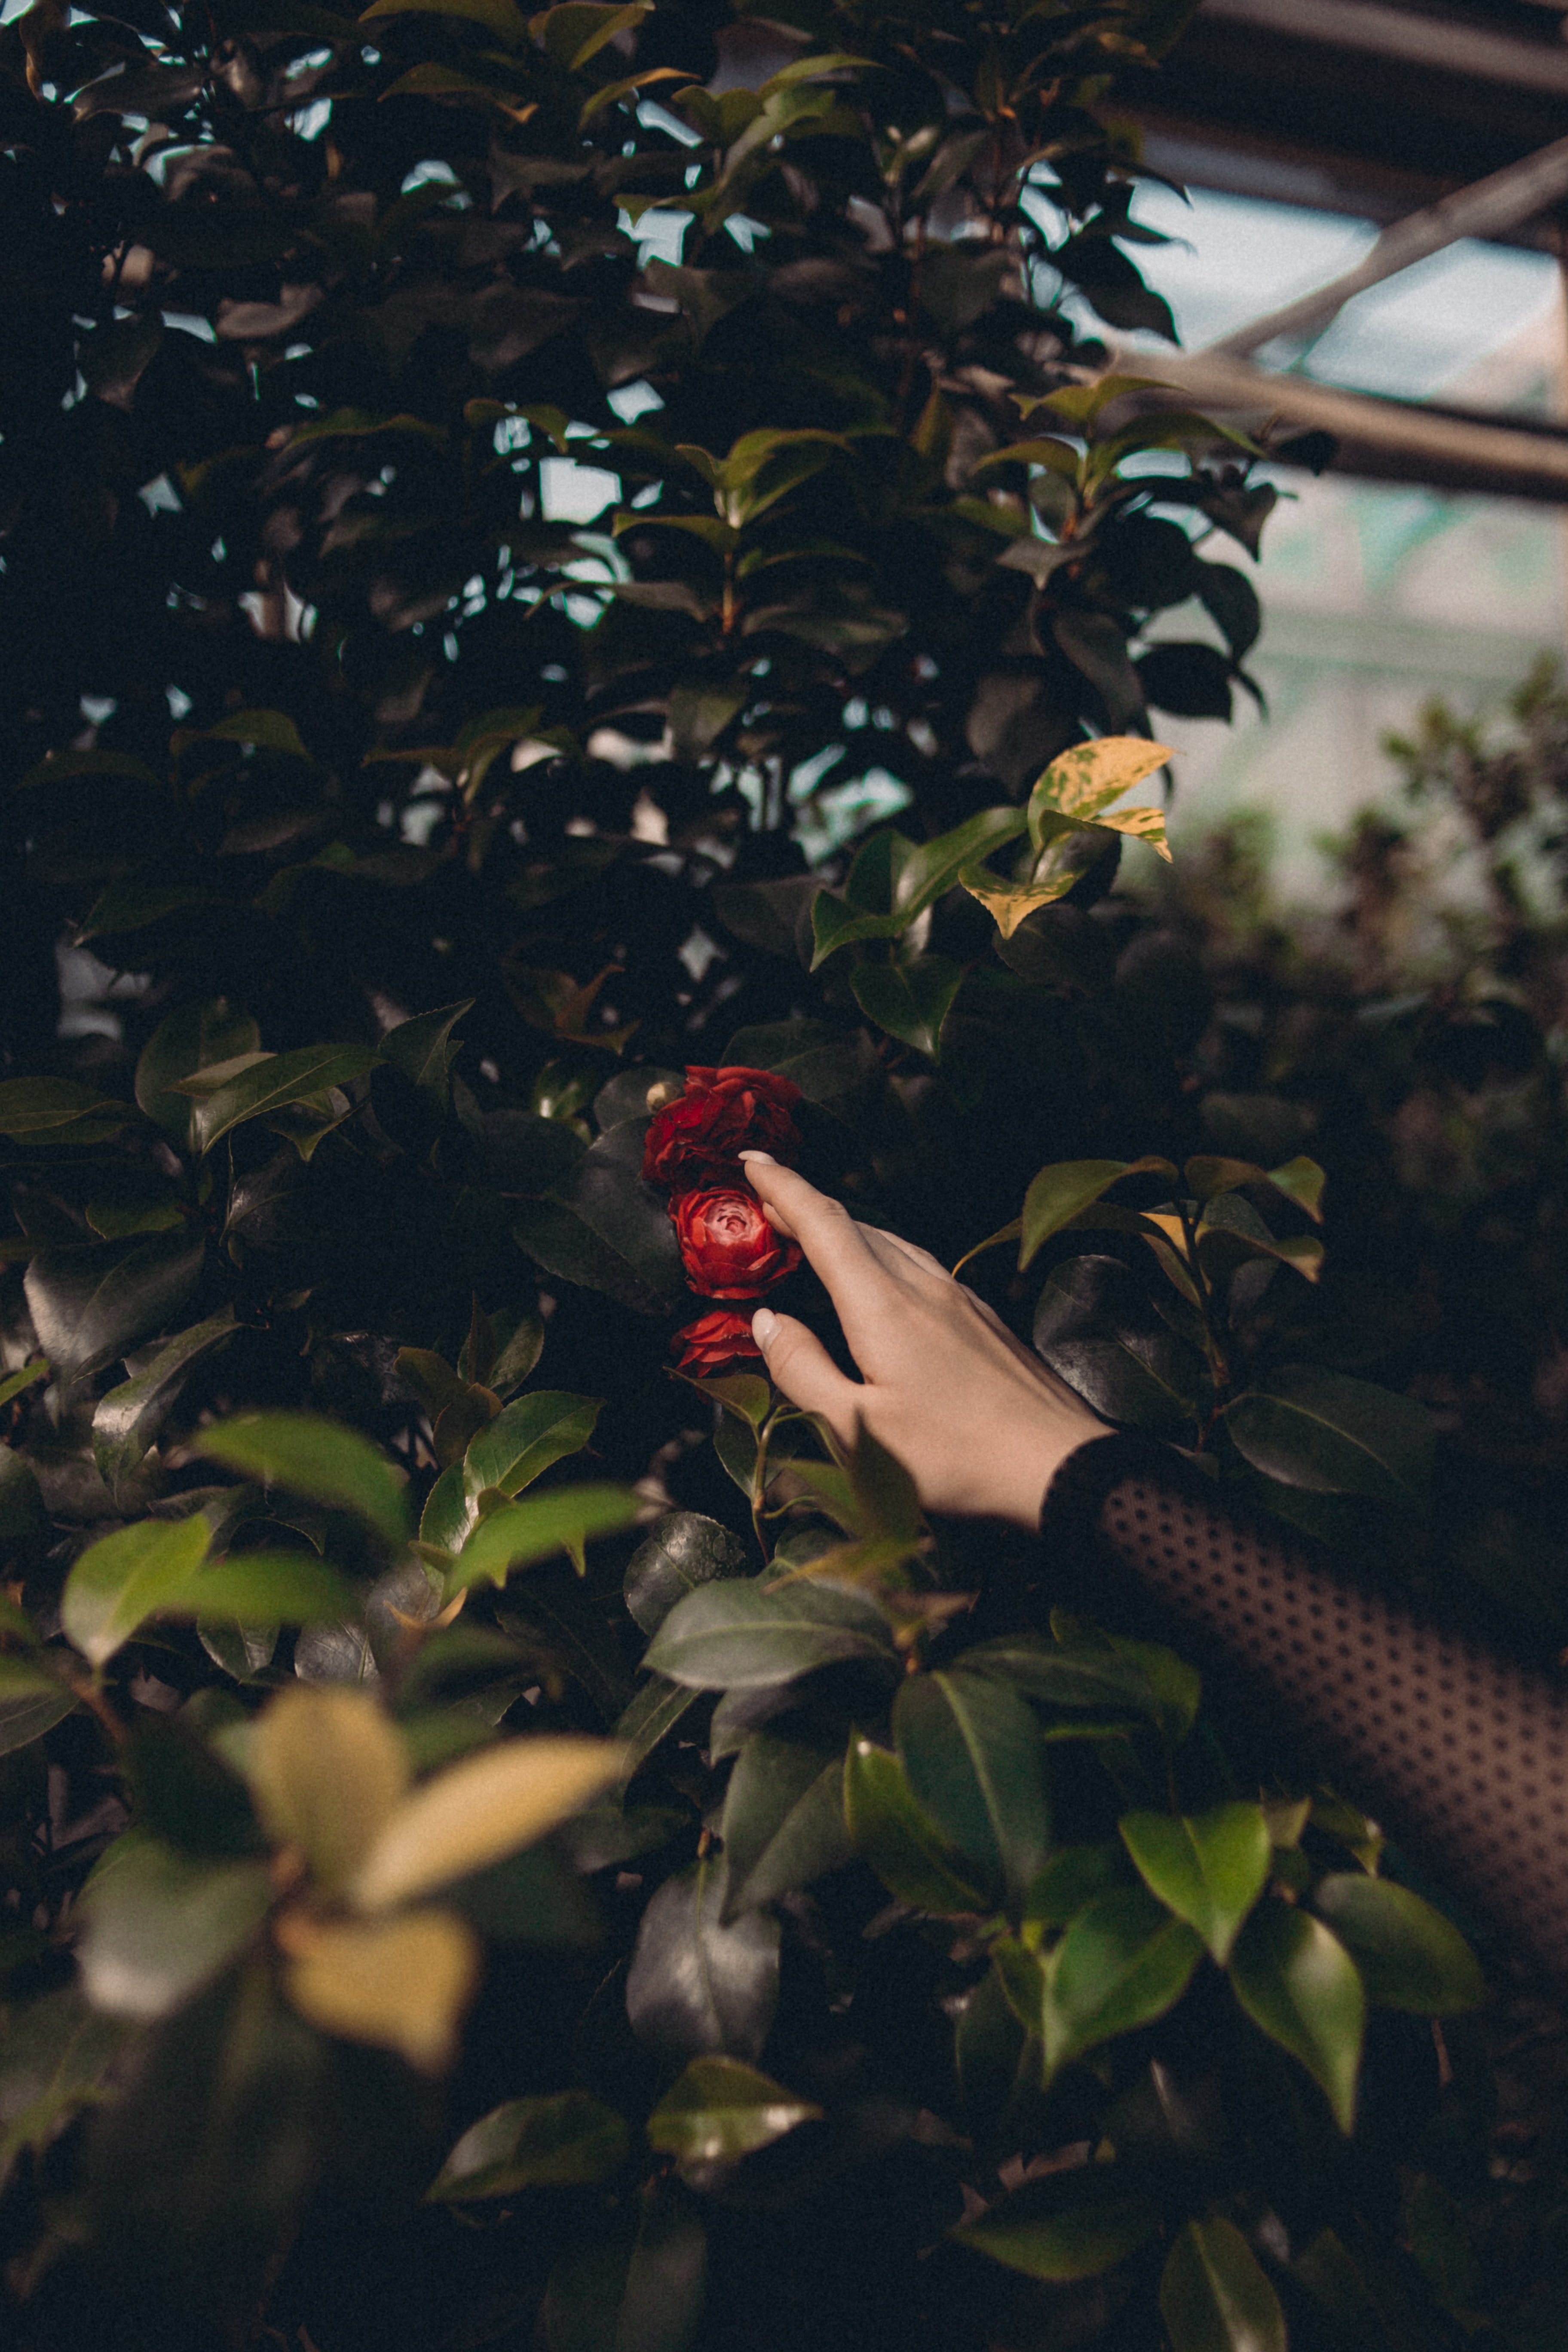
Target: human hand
[976, 1419]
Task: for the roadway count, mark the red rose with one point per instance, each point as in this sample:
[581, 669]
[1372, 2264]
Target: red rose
[727, 1245]
[697, 1138]
[714, 1340]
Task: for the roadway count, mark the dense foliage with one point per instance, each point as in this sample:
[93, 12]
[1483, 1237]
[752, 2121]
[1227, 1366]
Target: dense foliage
[504, 1845]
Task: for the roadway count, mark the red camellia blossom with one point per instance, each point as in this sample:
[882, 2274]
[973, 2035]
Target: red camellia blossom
[727, 1245]
[697, 1139]
[714, 1340]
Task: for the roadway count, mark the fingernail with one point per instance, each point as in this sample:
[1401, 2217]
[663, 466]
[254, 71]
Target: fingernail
[766, 1157]
[764, 1322]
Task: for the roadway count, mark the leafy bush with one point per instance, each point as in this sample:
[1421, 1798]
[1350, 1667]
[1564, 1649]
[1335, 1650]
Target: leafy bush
[461, 1890]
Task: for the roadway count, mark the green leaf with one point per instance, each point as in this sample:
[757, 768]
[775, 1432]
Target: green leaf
[720, 2111]
[1208, 1868]
[698, 1987]
[1123, 1962]
[126, 1577]
[1334, 1435]
[1062, 1192]
[191, 1038]
[893, 881]
[1409, 1956]
[902, 1843]
[1081, 2243]
[55, 2052]
[276, 1082]
[909, 1001]
[23, 1517]
[1298, 1983]
[14, 1383]
[973, 1754]
[306, 1455]
[650, 1717]
[525, 1438]
[1094, 1325]
[257, 1589]
[733, 1636]
[1215, 2296]
[59, 1110]
[161, 1923]
[127, 1419]
[603, 1227]
[421, 1050]
[479, 1810]
[518, 1534]
[267, 730]
[1101, 1675]
[32, 1701]
[566, 2140]
[683, 1552]
[90, 1305]
[783, 1823]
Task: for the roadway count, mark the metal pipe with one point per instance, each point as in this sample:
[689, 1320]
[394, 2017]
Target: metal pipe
[1491, 206]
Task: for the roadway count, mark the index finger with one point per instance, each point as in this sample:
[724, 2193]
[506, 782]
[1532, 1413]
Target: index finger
[826, 1231]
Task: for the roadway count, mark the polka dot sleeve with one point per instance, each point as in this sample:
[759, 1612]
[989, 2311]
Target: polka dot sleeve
[1460, 1751]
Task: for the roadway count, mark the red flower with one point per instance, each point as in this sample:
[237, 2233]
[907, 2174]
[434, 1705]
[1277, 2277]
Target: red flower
[714, 1340]
[727, 1245]
[697, 1138]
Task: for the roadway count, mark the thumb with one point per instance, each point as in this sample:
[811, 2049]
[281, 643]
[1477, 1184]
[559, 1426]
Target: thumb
[801, 1366]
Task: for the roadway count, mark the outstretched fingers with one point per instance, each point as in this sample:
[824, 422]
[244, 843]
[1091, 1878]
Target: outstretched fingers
[838, 1250]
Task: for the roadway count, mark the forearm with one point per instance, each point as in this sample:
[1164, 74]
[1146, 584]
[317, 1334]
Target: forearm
[1460, 1750]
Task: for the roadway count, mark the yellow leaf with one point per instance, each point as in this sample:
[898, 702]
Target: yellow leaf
[479, 1810]
[402, 1984]
[1172, 1227]
[1007, 903]
[1085, 778]
[1145, 824]
[327, 1770]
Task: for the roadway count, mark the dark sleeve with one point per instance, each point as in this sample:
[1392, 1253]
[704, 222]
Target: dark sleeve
[1459, 1750]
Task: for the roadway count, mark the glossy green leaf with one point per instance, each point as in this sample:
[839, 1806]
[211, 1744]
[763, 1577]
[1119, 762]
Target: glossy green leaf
[306, 1455]
[900, 1840]
[972, 1752]
[601, 1227]
[525, 1438]
[1208, 1868]
[1060, 1194]
[273, 1085]
[267, 730]
[783, 1821]
[681, 1552]
[1078, 2243]
[1095, 1673]
[697, 1985]
[734, 1635]
[1123, 1962]
[893, 884]
[564, 2140]
[125, 1578]
[1334, 1435]
[1298, 1983]
[90, 1305]
[518, 1534]
[1094, 1325]
[909, 1001]
[1408, 1955]
[127, 1419]
[17, 1383]
[59, 1110]
[187, 1040]
[719, 2110]
[650, 1717]
[1215, 2295]
[423, 1051]
[159, 1923]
